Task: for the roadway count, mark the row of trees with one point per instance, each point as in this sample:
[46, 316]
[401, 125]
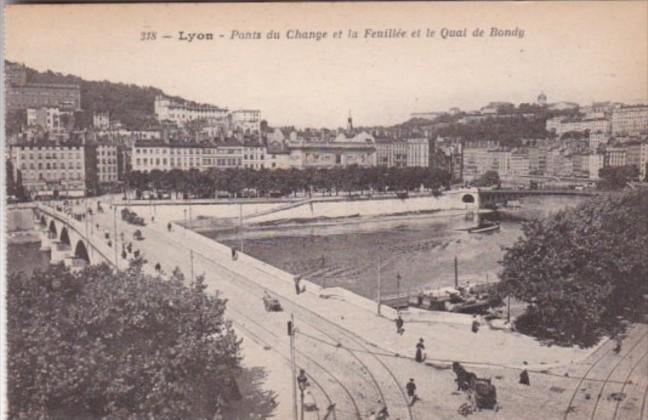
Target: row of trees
[106, 344]
[582, 271]
[288, 181]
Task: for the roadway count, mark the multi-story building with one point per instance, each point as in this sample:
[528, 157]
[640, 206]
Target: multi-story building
[615, 156]
[167, 109]
[391, 153]
[596, 139]
[50, 170]
[147, 156]
[101, 120]
[255, 156]
[418, 152]
[279, 160]
[107, 163]
[15, 74]
[42, 95]
[637, 155]
[520, 163]
[630, 120]
[537, 161]
[595, 162]
[53, 120]
[560, 125]
[332, 154]
[247, 121]
[227, 153]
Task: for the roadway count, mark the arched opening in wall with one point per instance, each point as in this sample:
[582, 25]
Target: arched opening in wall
[52, 230]
[65, 237]
[468, 198]
[80, 251]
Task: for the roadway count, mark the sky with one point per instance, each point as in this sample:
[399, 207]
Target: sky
[572, 51]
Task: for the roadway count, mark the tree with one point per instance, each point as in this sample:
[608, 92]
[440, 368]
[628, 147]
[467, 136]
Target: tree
[106, 344]
[616, 177]
[582, 271]
[488, 179]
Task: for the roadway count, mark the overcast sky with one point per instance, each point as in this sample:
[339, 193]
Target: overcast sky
[575, 51]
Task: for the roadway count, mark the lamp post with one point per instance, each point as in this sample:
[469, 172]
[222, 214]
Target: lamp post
[302, 381]
[398, 279]
[115, 228]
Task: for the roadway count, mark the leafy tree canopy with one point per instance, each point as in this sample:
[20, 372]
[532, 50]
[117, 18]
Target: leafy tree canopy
[488, 179]
[616, 177]
[583, 271]
[106, 344]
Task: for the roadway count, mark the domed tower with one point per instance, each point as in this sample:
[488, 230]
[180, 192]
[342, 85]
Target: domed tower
[542, 99]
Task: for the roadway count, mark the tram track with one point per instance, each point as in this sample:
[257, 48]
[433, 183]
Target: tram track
[585, 378]
[627, 381]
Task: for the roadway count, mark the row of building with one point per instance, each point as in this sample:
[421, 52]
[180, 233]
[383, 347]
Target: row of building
[561, 161]
[619, 120]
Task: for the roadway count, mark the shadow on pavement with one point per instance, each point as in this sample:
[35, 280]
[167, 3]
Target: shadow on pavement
[256, 403]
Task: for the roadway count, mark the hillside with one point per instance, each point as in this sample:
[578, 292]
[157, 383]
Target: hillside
[130, 104]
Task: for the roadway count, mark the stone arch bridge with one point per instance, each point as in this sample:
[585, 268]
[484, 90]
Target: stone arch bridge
[68, 238]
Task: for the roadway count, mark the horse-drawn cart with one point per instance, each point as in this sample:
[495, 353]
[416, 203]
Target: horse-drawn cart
[271, 303]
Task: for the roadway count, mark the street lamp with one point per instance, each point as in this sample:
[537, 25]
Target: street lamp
[302, 381]
[398, 279]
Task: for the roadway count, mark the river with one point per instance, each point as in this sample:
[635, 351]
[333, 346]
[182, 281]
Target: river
[420, 249]
[349, 253]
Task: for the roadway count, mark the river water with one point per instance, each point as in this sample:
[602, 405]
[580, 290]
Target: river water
[420, 249]
[350, 252]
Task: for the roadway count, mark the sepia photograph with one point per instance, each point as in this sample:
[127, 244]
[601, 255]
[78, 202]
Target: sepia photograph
[325, 211]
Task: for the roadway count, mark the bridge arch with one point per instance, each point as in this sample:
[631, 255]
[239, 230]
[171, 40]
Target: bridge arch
[65, 237]
[52, 229]
[468, 198]
[80, 251]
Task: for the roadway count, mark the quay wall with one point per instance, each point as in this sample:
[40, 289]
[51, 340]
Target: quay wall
[372, 207]
[265, 211]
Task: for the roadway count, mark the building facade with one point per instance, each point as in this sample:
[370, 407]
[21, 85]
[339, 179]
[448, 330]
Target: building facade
[630, 120]
[107, 167]
[50, 170]
[40, 95]
[247, 121]
[180, 113]
[418, 152]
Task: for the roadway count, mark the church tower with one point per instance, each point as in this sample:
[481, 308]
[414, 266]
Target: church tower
[350, 122]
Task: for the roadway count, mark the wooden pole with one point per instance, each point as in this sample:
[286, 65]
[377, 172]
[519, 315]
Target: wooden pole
[115, 238]
[508, 309]
[241, 226]
[456, 272]
[379, 288]
[192, 263]
[293, 367]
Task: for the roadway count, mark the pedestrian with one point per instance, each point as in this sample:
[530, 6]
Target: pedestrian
[152, 219]
[420, 351]
[298, 289]
[158, 267]
[524, 378]
[234, 254]
[169, 226]
[399, 325]
[619, 341]
[411, 391]
[475, 324]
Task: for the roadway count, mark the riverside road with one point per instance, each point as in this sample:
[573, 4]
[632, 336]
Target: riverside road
[354, 359]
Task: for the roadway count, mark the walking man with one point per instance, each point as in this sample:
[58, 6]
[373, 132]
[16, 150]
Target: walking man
[399, 325]
[298, 288]
[411, 391]
[420, 351]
